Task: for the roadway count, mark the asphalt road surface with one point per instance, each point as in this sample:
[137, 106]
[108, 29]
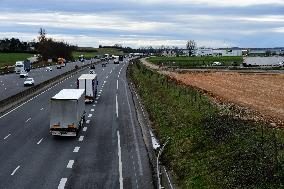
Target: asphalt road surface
[108, 153]
[11, 84]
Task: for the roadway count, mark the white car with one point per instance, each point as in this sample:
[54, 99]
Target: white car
[29, 82]
[24, 74]
[48, 68]
[216, 64]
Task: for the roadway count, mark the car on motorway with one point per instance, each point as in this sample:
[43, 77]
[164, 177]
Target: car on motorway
[23, 74]
[29, 82]
[104, 64]
[58, 66]
[48, 68]
[93, 66]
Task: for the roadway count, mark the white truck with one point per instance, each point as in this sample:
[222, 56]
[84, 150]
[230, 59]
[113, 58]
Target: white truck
[116, 59]
[89, 83]
[271, 61]
[67, 112]
[22, 66]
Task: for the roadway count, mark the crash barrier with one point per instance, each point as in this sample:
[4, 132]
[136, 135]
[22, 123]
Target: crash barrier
[13, 100]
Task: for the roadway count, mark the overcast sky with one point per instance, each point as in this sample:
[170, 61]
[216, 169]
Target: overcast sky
[211, 23]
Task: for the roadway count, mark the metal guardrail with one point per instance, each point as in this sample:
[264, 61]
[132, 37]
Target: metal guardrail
[11, 101]
[158, 164]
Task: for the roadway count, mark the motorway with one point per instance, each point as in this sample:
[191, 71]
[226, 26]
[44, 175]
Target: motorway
[11, 84]
[108, 153]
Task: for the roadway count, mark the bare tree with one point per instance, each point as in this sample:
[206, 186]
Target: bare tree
[191, 46]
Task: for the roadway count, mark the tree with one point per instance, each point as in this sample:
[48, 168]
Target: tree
[191, 47]
[49, 48]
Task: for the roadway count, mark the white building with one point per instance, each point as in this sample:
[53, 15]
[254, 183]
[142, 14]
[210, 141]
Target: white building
[227, 52]
[204, 52]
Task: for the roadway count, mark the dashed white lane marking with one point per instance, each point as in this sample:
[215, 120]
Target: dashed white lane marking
[88, 121]
[99, 95]
[6, 136]
[76, 149]
[39, 141]
[62, 183]
[15, 170]
[41, 109]
[34, 97]
[28, 120]
[94, 105]
[106, 77]
[70, 164]
[96, 101]
[92, 110]
[116, 106]
[81, 138]
[90, 115]
[85, 129]
[119, 161]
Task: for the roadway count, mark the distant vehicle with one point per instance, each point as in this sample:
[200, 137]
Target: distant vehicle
[93, 66]
[29, 82]
[106, 56]
[81, 58]
[270, 61]
[22, 66]
[76, 66]
[67, 112]
[92, 72]
[116, 59]
[58, 66]
[104, 64]
[23, 74]
[216, 64]
[120, 58]
[48, 68]
[89, 83]
[61, 62]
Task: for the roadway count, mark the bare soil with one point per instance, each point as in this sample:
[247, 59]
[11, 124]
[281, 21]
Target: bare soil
[263, 93]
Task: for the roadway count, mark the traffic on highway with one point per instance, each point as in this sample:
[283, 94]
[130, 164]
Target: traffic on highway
[106, 150]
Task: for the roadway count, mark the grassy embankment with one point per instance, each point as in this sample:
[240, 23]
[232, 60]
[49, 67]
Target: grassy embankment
[209, 149]
[9, 59]
[196, 62]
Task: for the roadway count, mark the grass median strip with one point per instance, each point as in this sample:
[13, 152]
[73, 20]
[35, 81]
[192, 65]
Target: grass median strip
[209, 148]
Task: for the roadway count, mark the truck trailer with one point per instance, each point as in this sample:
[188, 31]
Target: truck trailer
[67, 112]
[89, 83]
[22, 66]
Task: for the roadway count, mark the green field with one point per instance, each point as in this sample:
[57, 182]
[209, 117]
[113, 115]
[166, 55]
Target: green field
[97, 51]
[209, 148]
[196, 62]
[11, 58]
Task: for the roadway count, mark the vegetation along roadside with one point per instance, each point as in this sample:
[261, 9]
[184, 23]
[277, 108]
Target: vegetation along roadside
[208, 148]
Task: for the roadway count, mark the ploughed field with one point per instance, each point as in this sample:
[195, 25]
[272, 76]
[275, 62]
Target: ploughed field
[261, 92]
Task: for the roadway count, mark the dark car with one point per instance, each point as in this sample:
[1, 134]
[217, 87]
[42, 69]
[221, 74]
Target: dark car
[93, 66]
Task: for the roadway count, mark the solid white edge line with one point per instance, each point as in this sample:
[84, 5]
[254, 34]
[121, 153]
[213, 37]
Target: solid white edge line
[70, 164]
[62, 183]
[119, 161]
[15, 170]
[116, 84]
[116, 106]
